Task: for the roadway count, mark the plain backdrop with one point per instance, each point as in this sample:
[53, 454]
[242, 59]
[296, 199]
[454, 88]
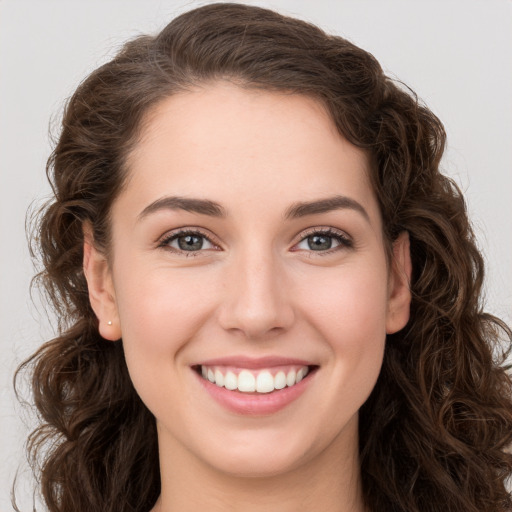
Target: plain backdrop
[457, 55]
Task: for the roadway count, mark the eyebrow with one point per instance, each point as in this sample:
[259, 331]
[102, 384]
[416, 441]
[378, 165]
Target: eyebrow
[201, 206]
[213, 209]
[328, 204]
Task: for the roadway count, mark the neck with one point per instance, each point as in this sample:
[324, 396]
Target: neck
[330, 482]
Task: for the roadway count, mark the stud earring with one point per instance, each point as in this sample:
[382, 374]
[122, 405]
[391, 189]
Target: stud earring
[109, 322]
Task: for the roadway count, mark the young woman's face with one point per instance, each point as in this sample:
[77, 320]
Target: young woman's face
[248, 248]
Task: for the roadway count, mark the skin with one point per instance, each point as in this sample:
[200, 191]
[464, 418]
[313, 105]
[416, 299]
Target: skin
[257, 289]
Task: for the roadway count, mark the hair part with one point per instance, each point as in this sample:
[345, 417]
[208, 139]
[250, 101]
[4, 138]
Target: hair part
[434, 432]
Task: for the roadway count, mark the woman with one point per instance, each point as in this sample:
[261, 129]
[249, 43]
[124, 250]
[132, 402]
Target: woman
[270, 296]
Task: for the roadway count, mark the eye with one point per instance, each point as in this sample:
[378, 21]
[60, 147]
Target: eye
[321, 240]
[187, 241]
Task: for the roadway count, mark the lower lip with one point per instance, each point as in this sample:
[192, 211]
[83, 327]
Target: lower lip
[256, 404]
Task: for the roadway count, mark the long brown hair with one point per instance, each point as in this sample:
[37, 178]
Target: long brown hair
[435, 431]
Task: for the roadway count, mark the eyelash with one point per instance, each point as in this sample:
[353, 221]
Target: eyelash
[343, 240]
[170, 237]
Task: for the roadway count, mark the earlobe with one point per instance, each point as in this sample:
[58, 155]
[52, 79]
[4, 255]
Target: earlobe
[399, 300]
[101, 288]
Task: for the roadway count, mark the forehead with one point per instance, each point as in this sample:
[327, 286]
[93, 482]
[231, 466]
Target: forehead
[226, 142]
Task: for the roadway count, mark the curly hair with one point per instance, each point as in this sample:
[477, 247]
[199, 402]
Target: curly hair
[435, 432]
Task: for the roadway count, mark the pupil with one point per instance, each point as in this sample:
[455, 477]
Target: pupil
[190, 242]
[319, 242]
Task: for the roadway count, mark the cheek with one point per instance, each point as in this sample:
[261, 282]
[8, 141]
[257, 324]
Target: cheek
[349, 311]
[351, 302]
[160, 310]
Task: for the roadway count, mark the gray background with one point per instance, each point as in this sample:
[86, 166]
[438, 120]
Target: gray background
[455, 54]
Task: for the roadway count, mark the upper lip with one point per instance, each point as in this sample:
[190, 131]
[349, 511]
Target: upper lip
[254, 363]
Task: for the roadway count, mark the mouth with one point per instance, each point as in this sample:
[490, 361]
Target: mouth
[255, 386]
[255, 381]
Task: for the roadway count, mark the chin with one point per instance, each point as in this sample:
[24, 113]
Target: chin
[256, 454]
[256, 465]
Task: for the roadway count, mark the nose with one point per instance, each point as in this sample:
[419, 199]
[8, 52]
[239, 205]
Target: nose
[256, 301]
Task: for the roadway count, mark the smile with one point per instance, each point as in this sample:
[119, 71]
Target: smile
[264, 380]
[255, 387]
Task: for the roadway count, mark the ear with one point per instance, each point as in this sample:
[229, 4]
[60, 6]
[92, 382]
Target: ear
[101, 287]
[399, 300]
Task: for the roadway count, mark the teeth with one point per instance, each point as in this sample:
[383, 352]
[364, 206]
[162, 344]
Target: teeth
[254, 381]
[219, 378]
[280, 380]
[264, 382]
[246, 382]
[230, 381]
